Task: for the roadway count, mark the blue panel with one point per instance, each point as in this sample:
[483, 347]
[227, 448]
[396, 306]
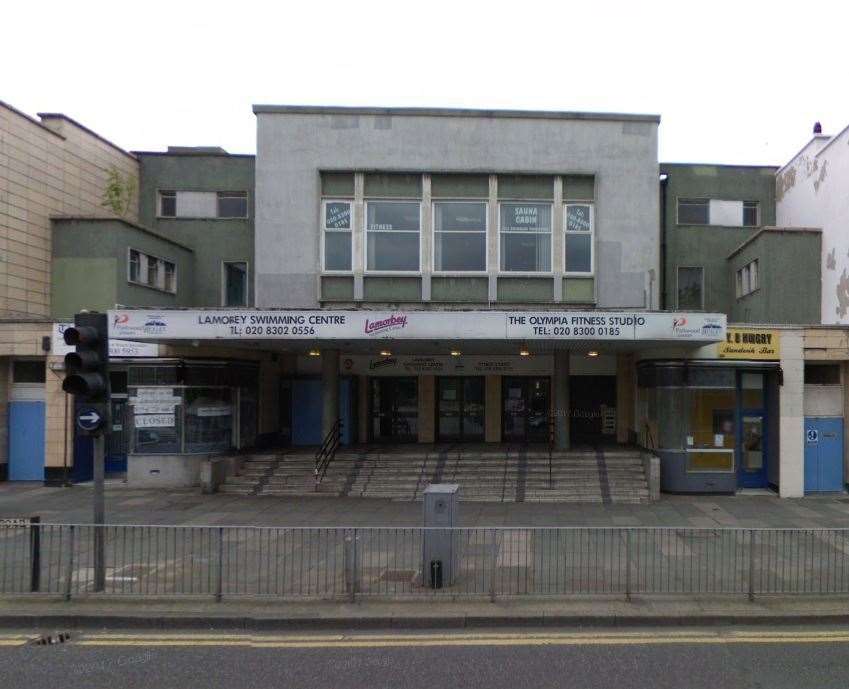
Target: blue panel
[306, 412]
[116, 464]
[83, 458]
[823, 455]
[812, 457]
[26, 441]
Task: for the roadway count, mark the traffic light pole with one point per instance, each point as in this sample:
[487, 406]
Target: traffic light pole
[99, 512]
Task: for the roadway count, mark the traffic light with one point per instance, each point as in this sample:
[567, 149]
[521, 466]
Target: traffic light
[87, 368]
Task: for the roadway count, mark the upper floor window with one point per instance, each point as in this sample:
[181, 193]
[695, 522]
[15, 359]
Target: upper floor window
[718, 212]
[392, 235]
[748, 279]
[202, 204]
[691, 287]
[578, 244]
[525, 237]
[337, 235]
[235, 287]
[151, 271]
[232, 204]
[459, 242]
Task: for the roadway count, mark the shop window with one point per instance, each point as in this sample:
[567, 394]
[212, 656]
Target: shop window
[208, 419]
[525, 237]
[337, 235]
[392, 236]
[156, 420]
[232, 204]
[28, 371]
[693, 212]
[822, 374]
[235, 283]
[579, 236]
[459, 236]
[691, 288]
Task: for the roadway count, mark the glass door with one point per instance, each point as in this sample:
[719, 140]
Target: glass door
[394, 409]
[460, 409]
[526, 405]
[752, 450]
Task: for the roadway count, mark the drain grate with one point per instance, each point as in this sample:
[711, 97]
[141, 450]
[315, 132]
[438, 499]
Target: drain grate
[51, 639]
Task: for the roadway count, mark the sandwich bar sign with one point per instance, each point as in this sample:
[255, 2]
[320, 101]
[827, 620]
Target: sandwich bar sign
[257, 324]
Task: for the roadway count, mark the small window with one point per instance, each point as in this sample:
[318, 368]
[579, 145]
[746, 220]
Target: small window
[525, 232]
[691, 288]
[337, 235]
[135, 266]
[151, 271]
[459, 236]
[170, 272]
[579, 239]
[167, 204]
[822, 374]
[748, 279]
[235, 283]
[28, 372]
[750, 214]
[392, 235]
[693, 212]
[232, 204]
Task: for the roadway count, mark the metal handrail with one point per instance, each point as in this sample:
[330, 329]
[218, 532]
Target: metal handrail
[650, 444]
[327, 451]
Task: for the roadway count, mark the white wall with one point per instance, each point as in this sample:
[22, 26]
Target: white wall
[813, 191]
[792, 416]
[824, 400]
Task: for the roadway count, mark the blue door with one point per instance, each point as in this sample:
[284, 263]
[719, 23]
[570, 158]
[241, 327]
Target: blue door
[752, 465]
[307, 411]
[26, 441]
[823, 455]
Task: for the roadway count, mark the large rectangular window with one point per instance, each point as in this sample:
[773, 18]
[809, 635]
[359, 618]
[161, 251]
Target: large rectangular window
[392, 235]
[690, 288]
[235, 283]
[579, 231]
[337, 235]
[151, 271]
[202, 204]
[232, 204]
[525, 232]
[459, 242]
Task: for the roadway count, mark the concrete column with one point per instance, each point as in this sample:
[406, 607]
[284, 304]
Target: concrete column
[363, 419]
[427, 409]
[792, 416]
[625, 397]
[557, 239]
[329, 389]
[561, 400]
[358, 235]
[492, 413]
[427, 238]
[492, 239]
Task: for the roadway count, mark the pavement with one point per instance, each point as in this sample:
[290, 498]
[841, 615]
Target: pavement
[125, 505]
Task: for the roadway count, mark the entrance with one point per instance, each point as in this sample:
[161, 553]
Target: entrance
[394, 409]
[752, 452]
[592, 409]
[460, 409]
[526, 403]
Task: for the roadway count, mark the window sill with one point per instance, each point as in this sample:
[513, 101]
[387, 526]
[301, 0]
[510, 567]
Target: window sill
[748, 294]
[524, 274]
[200, 217]
[151, 287]
[460, 273]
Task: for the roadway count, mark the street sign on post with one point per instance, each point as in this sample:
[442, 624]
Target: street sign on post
[89, 419]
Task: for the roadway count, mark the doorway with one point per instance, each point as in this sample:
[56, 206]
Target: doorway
[526, 405]
[752, 446]
[592, 409]
[394, 409]
[460, 409]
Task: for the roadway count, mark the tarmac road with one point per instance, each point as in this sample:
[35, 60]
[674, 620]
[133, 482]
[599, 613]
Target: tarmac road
[776, 657]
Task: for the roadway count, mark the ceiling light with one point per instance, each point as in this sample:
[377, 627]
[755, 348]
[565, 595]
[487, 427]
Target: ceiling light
[385, 352]
[524, 352]
[315, 352]
[455, 352]
[592, 352]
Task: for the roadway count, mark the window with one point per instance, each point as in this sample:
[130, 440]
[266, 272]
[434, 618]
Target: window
[690, 288]
[337, 235]
[150, 271]
[750, 214]
[392, 235]
[693, 212]
[459, 242]
[526, 237]
[28, 371]
[748, 279]
[235, 284]
[232, 204]
[579, 238]
[822, 374]
[167, 204]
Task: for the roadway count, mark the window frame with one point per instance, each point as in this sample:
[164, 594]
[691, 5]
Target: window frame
[160, 271]
[528, 273]
[224, 264]
[678, 200]
[757, 206]
[160, 193]
[231, 193]
[433, 234]
[678, 285]
[324, 230]
[744, 283]
[373, 271]
[591, 233]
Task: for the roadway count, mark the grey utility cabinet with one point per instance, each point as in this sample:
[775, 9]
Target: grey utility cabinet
[440, 543]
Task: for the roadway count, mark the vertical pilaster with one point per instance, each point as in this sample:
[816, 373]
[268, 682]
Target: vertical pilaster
[427, 409]
[557, 263]
[561, 400]
[625, 391]
[329, 389]
[492, 239]
[492, 414]
[363, 418]
[358, 224]
[791, 417]
[426, 244]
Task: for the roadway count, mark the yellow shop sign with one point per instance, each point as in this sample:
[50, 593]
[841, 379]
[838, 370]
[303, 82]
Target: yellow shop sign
[750, 343]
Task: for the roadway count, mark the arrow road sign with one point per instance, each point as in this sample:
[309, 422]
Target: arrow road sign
[89, 419]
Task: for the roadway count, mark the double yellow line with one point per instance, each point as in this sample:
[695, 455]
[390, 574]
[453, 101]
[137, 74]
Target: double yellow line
[468, 639]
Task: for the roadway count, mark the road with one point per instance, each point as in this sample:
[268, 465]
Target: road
[670, 657]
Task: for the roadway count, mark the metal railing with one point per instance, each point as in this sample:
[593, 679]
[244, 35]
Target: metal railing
[344, 563]
[327, 451]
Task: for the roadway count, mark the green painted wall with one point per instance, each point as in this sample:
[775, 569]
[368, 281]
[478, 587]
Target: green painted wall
[89, 267]
[392, 289]
[579, 290]
[788, 276]
[337, 288]
[213, 241]
[473, 290]
[709, 246]
[522, 290]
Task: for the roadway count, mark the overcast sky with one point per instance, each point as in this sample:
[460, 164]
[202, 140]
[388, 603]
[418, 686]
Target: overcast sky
[734, 82]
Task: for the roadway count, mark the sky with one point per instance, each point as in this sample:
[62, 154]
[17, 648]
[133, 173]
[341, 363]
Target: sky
[734, 82]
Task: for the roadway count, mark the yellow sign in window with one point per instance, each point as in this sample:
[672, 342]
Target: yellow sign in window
[751, 343]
